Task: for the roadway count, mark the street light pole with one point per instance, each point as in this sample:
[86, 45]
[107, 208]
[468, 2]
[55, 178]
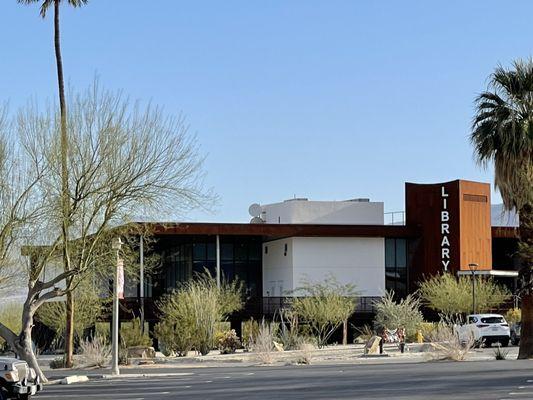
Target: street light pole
[117, 244]
[473, 267]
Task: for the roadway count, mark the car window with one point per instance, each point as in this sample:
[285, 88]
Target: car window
[472, 320]
[493, 320]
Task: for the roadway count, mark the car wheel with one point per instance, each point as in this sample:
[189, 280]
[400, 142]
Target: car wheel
[3, 395]
[505, 343]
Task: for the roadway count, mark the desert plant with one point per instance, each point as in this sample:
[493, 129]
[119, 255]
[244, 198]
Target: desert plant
[174, 339]
[427, 329]
[324, 306]
[58, 362]
[94, 352]
[500, 354]
[451, 295]
[287, 330]
[447, 344]
[199, 305]
[132, 335]
[513, 316]
[363, 333]
[10, 316]
[306, 350]
[263, 345]
[250, 330]
[228, 342]
[501, 136]
[88, 308]
[393, 314]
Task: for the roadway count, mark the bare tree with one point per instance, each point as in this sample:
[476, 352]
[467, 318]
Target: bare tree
[125, 162]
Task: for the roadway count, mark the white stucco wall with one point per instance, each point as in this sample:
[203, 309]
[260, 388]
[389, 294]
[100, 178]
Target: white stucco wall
[277, 268]
[324, 212]
[360, 261]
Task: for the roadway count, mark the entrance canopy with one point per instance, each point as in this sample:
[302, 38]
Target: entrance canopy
[491, 272]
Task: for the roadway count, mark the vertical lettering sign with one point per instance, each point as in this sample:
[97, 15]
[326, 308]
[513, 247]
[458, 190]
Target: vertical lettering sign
[445, 230]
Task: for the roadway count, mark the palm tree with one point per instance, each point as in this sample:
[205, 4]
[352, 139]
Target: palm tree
[65, 201]
[502, 134]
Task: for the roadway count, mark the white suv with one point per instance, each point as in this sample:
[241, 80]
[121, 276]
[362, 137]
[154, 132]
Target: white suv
[486, 329]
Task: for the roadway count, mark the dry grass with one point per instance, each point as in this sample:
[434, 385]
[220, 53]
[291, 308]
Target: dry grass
[95, 352]
[263, 344]
[306, 350]
[447, 344]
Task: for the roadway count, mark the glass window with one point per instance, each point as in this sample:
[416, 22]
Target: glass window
[199, 251]
[226, 251]
[211, 251]
[390, 255]
[401, 253]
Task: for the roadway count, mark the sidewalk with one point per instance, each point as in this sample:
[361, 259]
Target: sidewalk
[332, 355]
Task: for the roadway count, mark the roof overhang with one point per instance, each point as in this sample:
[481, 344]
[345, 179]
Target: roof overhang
[491, 272]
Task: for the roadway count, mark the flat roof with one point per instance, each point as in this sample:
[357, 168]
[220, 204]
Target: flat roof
[283, 230]
[289, 230]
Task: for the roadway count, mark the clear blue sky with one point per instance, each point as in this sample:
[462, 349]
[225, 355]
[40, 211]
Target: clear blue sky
[322, 99]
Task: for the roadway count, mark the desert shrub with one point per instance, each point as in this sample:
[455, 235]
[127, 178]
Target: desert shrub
[132, 335]
[513, 316]
[393, 314]
[228, 342]
[306, 350]
[447, 344]
[263, 345]
[174, 339]
[500, 354]
[88, 308]
[451, 295]
[427, 329]
[287, 329]
[199, 305]
[250, 330]
[362, 334]
[94, 352]
[324, 306]
[58, 362]
[10, 316]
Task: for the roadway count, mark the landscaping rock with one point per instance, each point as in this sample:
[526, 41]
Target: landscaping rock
[372, 346]
[278, 346]
[141, 352]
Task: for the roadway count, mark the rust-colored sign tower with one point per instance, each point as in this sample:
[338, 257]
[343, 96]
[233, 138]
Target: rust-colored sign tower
[454, 219]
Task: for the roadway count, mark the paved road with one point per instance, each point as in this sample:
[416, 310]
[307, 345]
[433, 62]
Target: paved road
[484, 380]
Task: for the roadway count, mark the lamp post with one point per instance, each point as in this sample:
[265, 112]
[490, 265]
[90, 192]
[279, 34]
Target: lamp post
[116, 245]
[473, 267]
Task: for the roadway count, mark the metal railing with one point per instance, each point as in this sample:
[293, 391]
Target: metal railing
[256, 307]
[394, 218]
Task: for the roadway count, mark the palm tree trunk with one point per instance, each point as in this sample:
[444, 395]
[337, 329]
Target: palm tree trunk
[526, 277]
[65, 202]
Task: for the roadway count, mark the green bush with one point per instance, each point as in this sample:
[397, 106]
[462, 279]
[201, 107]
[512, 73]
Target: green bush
[451, 295]
[11, 316]
[228, 342]
[514, 315]
[199, 306]
[324, 306]
[402, 314]
[250, 330]
[174, 339]
[131, 334]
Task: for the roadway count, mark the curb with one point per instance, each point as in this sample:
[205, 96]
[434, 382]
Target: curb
[69, 380]
[145, 375]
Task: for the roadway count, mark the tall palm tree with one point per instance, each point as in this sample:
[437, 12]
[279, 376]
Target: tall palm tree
[502, 134]
[65, 201]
